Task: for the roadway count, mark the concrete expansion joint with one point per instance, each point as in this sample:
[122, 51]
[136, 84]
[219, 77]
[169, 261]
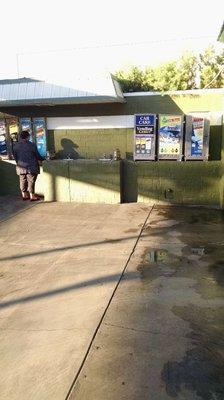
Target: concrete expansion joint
[107, 307]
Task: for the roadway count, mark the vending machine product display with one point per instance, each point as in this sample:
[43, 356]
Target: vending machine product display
[39, 127]
[197, 137]
[170, 137]
[26, 125]
[145, 137]
[13, 128]
[3, 145]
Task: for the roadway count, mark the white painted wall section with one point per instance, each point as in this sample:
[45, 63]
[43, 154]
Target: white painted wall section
[113, 121]
[101, 122]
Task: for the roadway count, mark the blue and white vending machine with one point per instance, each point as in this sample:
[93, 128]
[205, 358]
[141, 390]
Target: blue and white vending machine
[144, 137]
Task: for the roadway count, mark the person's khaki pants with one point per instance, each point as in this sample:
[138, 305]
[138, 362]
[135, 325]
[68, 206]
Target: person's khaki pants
[27, 182]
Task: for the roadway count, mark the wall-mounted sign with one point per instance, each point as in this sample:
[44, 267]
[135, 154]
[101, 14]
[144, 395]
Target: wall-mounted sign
[170, 139]
[197, 137]
[39, 127]
[26, 125]
[144, 137]
[3, 148]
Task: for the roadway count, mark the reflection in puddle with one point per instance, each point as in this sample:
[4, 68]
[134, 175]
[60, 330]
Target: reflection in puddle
[159, 262]
[155, 256]
[199, 251]
[205, 265]
[173, 255]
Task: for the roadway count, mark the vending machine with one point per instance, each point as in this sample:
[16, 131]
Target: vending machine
[39, 128]
[13, 128]
[12, 134]
[170, 137]
[10, 129]
[26, 125]
[197, 137]
[3, 138]
[145, 137]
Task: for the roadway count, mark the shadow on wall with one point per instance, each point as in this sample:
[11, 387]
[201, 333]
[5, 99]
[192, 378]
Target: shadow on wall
[81, 181]
[69, 150]
[193, 182]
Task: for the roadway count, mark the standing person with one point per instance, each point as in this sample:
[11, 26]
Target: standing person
[27, 165]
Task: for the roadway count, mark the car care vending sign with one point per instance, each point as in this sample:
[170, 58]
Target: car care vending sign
[3, 149]
[170, 137]
[144, 136]
[26, 125]
[39, 127]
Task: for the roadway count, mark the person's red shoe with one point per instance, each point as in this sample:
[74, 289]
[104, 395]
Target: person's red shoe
[34, 198]
[25, 196]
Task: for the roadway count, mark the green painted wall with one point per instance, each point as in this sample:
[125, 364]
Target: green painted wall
[93, 143]
[191, 182]
[79, 181]
[85, 181]
[90, 143]
[208, 100]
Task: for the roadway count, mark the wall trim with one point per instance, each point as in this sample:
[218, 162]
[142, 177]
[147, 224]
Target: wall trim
[100, 122]
[114, 121]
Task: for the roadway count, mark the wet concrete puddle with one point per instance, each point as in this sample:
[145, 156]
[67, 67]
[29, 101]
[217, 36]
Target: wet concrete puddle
[184, 270]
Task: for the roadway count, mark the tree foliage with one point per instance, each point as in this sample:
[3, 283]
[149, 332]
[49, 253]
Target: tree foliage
[189, 72]
[212, 68]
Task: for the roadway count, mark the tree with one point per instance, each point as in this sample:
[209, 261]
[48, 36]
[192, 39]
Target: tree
[166, 76]
[211, 68]
[189, 72]
[131, 80]
[149, 79]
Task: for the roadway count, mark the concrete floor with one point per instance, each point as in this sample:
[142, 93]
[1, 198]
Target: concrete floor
[111, 302]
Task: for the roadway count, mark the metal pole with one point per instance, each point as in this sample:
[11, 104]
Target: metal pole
[17, 64]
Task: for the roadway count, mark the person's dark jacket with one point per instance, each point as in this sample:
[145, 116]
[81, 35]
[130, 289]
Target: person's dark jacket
[26, 156]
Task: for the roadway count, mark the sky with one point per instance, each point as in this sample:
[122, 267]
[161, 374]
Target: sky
[57, 41]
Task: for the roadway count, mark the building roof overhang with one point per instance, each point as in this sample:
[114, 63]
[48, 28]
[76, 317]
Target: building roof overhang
[33, 92]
